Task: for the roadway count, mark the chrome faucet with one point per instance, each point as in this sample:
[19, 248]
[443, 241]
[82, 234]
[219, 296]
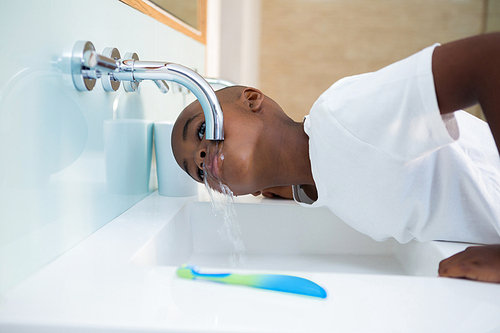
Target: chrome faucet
[87, 66]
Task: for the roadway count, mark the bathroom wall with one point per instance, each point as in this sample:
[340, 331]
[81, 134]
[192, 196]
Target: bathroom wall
[307, 45]
[52, 172]
[233, 40]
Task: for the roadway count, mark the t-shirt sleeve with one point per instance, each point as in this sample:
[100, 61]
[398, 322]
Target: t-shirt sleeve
[394, 109]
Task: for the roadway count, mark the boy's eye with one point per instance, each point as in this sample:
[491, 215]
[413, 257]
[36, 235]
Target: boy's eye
[201, 131]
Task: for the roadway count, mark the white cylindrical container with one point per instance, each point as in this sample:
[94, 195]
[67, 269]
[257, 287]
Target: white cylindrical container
[172, 180]
[128, 149]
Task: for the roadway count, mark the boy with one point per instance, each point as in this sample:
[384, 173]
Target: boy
[380, 150]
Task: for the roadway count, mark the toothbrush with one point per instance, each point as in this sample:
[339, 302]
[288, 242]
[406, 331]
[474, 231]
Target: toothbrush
[284, 283]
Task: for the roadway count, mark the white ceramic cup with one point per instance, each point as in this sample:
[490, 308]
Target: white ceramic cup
[128, 149]
[172, 180]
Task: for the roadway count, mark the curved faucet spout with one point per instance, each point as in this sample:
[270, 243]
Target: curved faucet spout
[87, 66]
[155, 70]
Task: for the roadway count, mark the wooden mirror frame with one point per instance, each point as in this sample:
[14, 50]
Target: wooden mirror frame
[165, 17]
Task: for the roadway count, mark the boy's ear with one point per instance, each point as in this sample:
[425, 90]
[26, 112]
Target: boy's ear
[253, 99]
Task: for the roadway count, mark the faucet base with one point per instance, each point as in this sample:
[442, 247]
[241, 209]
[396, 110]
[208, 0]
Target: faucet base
[81, 81]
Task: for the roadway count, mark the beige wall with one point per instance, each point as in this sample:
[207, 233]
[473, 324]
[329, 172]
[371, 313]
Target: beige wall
[233, 41]
[306, 45]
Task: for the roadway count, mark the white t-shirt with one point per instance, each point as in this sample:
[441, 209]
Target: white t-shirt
[386, 162]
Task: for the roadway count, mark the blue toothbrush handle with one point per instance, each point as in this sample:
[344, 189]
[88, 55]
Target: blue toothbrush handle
[284, 283]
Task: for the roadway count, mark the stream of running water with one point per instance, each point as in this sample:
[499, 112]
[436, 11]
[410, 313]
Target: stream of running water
[223, 204]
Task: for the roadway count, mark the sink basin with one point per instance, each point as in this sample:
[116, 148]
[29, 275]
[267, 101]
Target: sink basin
[283, 237]
[123, 277]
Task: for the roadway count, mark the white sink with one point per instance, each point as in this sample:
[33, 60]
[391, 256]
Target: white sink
[284, 237]
[123, 277]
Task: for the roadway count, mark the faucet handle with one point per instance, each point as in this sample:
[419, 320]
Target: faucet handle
[131, 86]
[95, 61]
[162, 85]
[108, 81]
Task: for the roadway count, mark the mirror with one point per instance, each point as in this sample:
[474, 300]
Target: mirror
[186, 10]
[186, 16]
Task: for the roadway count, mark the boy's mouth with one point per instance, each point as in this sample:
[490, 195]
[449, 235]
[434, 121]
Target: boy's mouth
[214, 161]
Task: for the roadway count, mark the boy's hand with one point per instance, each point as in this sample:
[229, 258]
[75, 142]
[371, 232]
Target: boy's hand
[480, 263]
[284, 192]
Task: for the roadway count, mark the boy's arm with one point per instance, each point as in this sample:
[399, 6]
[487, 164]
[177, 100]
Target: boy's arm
[467, 72]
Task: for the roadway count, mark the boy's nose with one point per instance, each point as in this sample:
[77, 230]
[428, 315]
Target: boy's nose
[200, 157]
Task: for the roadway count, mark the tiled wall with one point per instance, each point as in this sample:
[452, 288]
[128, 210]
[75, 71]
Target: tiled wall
[307, 45]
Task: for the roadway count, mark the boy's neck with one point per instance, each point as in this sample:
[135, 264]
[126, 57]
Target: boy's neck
[294, 166]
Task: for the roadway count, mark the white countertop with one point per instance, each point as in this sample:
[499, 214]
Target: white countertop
[94, 285]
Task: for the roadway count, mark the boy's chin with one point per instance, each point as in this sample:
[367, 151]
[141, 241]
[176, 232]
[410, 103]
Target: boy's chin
[217, 186]
[236, 189]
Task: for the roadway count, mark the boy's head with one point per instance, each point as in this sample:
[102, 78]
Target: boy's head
[247, 158]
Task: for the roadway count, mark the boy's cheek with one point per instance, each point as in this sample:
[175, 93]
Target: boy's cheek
[239, 180]
[238, 167]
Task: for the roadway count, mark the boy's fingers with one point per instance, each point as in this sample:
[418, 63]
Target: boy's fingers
[457, 258]
[472, 272]
[458, 270]
[475, 263]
